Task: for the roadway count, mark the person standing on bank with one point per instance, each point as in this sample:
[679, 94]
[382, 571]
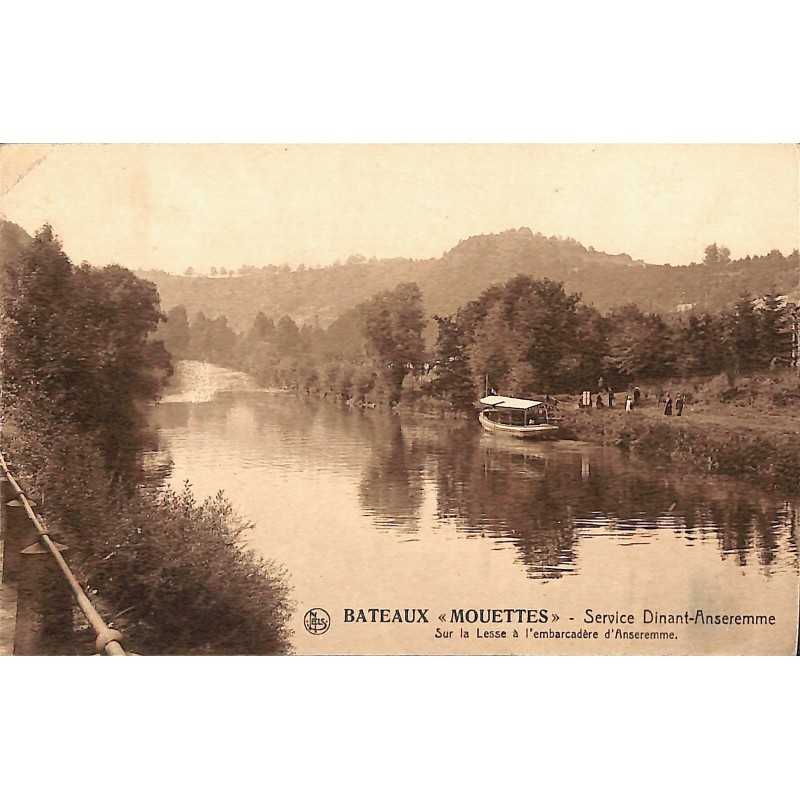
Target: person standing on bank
[668, 405]
[637, 394]
[679, 405]
[599, 402]
[628, 403]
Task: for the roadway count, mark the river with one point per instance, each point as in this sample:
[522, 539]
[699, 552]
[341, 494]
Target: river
[371, 509]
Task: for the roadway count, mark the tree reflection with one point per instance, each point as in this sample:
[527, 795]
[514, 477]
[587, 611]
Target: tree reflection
[391, 489]
[544, 498]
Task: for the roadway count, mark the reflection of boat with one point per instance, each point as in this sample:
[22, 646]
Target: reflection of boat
[517, 417]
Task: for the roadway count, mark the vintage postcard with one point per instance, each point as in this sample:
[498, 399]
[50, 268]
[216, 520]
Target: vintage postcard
[400, 399]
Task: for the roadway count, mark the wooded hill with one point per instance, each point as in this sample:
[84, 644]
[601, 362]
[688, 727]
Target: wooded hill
[603, 280]
[461, 274]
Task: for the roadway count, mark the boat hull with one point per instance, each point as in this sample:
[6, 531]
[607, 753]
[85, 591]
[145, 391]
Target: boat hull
[517, 431]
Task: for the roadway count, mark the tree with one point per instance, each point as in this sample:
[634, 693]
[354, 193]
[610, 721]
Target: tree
[528, 321]
[700, 345]
[716, 255]
[490, 354]
[175, 333]
[222, 342]
[639, 345]
[80, 342]
[775, 332]
[262, 329]
[452, 380]
[392, 328]
[37, 283]
[743, 335]
[287, 337]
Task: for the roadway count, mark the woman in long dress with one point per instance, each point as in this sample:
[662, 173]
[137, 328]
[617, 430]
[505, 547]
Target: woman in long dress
[668, 405]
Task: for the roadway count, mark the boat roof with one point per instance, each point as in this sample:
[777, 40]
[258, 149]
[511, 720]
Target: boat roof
[498, 401]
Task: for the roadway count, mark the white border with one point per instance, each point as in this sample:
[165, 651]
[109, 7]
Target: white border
[415, 71]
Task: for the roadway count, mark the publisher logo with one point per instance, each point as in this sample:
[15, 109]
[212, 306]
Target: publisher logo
[317, 621]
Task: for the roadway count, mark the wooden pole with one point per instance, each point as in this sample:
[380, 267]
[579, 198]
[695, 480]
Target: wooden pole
[108, 639]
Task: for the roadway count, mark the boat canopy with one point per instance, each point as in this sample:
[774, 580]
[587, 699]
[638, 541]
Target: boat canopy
[498, 401]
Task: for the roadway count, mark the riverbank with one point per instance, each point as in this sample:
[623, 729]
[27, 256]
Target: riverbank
[758, 448]
[752, 432]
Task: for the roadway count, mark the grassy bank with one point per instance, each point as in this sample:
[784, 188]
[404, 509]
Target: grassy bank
[725, 445]
[173, 573]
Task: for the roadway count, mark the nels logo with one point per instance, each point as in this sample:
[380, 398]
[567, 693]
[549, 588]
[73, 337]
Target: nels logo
[317, 621]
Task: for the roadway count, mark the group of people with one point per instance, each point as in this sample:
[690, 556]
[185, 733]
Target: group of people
[633, 399]
[680, 401]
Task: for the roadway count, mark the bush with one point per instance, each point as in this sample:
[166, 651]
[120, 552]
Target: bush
[172, 572]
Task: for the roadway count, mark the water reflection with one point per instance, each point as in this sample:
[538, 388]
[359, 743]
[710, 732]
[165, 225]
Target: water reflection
[417, 478]
[391, 487]
[546, 497]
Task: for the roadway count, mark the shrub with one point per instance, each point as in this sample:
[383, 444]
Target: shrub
[172, 572]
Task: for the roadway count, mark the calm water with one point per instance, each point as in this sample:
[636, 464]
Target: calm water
[366, 509]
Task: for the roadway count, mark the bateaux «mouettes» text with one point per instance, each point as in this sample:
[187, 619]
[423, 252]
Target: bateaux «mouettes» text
[496, 616]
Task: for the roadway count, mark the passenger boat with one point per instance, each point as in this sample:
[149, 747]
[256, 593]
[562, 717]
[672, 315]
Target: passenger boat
[517, 417]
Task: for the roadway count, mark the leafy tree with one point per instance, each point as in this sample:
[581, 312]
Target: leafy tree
[716, 255]
[453, 381]
[585, 363]
[639, 345]
[743, 335]
[490, 354]
[175, 332]
[701, 345]
[392, 327]
[287, 337]
[262, 329]
[528, 321]
[37, 282]
[81, 341]
[776, 336]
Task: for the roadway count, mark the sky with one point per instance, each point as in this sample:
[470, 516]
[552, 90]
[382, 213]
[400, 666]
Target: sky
[174, 206]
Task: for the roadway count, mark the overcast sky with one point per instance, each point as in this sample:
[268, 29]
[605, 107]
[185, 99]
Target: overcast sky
[172, 206]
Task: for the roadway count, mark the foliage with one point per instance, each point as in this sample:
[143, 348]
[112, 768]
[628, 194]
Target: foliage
[174, 332]
[528, 334]
[392, 328]
[716, 255]
[176, 571]
[525, 337]
[79, 340]
[452, 380]
[639, 345]
[79, 360]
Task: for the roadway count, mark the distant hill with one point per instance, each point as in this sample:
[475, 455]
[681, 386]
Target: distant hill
[461, 274]
[604, 280]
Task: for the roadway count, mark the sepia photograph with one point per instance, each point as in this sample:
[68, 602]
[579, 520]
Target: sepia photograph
[433, 399]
